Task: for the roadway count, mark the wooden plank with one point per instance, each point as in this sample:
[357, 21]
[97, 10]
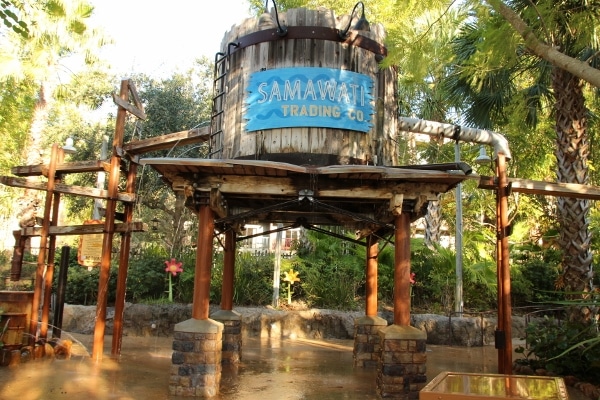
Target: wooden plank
[132, 109]
[66, 189]
[83, 229]
[197, 164]
[64, 168]
[556, 189]
[136, 98]
[257, 186]
[168, 141]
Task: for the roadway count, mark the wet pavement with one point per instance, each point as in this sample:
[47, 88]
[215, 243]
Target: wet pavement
[270, 369]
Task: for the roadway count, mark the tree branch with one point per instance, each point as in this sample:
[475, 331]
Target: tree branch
[576, 67]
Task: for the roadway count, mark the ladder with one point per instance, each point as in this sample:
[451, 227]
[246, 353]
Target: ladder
[218, 102]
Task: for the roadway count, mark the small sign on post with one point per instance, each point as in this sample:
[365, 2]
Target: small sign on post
[89, 253]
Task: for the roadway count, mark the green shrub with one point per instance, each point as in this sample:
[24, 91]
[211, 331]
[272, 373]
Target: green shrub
[534, 273]
[332, 271]
[146, 278]
[253, 280]
[565, 348]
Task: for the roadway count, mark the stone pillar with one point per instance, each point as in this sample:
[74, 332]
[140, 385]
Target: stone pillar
[232, 335]
[367, 348]
[196, 359]
[402, 367]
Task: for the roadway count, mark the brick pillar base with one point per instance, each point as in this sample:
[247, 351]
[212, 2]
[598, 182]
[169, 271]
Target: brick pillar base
[402, 364]
[232, 335]
[196, 359]
[367, 347]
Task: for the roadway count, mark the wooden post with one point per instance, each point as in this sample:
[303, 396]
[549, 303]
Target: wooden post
[51, 253]
[228, 271]
[109, 226]
[41, 262]
[402, 270]
[201, 298]
[371, 277]
[503, 266]
[17, 259]
[499, 339]
[117, 338]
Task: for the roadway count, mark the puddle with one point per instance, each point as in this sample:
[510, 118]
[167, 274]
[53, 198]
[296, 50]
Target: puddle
[270, 369]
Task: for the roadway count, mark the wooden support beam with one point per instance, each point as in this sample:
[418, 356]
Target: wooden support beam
[163, 142]
[396, 202]
[402, 270]
[218, 204]
[67, 189]
[228, 271]
[204, 256]
[136, 98]
[545, 188]
[81, 229]
[289, 187]
[62, 168]
[371, 276]
[109, 227]
[132, 109]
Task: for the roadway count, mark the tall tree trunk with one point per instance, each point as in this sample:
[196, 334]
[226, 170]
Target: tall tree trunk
[433, 223]
[572, 156]
[31, 202]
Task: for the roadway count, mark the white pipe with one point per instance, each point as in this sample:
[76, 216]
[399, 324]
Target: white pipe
[456, 132]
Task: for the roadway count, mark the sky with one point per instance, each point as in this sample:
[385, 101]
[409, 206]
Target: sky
[158, 38]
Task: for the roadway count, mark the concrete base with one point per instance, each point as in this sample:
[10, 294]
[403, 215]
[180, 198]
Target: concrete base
[402, 364]
[196, 359]
[232, 335]
[367, 347]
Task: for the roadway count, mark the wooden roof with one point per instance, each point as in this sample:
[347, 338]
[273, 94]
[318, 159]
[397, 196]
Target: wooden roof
[257, 191]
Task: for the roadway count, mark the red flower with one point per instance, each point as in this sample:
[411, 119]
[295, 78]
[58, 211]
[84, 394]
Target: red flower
[412, 278]
[173, 266]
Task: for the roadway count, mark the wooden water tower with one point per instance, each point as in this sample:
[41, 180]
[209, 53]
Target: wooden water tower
[304, 87]
[302, 134]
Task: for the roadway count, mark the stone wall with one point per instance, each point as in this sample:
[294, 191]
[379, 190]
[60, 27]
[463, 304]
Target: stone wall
[160, 320]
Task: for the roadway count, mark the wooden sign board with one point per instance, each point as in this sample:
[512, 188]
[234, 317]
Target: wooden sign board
[89, 253]
[309, 97]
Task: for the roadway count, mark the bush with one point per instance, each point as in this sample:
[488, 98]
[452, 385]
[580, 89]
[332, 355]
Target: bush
[332, 271]
[146, 278]
[565, 348]
[534, 274]
[253, 280]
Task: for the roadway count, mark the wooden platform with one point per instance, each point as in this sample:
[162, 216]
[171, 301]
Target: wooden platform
[256, 191]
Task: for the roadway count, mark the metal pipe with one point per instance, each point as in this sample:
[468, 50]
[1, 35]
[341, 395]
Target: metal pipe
[457, 133]
[458, 242]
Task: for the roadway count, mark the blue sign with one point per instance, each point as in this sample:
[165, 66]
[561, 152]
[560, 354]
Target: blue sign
[309, 97]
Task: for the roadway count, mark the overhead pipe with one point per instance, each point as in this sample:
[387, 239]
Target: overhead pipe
[501, 155]
[457, 133]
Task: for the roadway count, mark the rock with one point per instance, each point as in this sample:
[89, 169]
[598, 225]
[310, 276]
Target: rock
[267, 322]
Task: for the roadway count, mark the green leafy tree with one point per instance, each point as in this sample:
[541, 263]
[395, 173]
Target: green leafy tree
[60, 31]
[177, 103]
[492, 84]
[10, 11]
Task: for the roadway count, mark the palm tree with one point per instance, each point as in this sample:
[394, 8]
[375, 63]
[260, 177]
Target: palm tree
[492, 85]
[60, 31]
